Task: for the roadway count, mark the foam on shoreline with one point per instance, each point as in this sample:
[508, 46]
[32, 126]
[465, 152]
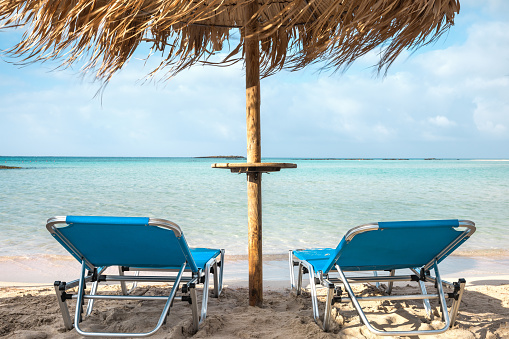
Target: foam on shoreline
[474, 253]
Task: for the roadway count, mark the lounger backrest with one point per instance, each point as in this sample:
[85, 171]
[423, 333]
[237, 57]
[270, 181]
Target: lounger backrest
[123, 241]
[400, 244]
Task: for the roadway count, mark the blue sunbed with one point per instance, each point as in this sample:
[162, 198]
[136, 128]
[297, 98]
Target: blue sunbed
[133, 244]
[385, 246]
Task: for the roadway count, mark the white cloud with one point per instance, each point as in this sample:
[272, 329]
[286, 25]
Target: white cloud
[484, 54]
[441, 121]
[381, 132]
[181, 117]
[492, 118]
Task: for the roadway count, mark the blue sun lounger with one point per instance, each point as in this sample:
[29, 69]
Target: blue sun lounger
[133, 244]
[385, 246]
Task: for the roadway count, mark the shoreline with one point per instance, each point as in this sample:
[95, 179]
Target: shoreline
[473, 253]
[43, 270]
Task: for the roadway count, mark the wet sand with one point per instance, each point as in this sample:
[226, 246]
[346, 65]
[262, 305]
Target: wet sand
[45, 269]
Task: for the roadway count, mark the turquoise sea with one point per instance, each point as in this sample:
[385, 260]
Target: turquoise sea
[310, 206]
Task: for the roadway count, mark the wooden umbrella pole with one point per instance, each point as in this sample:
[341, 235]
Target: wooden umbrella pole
[254, 179]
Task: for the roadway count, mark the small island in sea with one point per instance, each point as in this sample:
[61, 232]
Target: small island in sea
[8, 167]
[237, 157]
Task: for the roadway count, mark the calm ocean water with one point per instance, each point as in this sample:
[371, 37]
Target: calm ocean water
[311, 206]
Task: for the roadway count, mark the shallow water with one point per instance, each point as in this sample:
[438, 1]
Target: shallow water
[313, 205]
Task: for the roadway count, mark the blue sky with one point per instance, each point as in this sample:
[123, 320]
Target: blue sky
[447, 100]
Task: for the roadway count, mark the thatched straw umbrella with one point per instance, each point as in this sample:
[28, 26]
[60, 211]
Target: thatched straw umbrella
[275, 34]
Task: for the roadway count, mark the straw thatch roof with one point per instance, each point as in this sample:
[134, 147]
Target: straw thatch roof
[103, 34]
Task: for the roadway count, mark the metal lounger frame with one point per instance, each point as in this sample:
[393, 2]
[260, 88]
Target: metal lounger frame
[183, 276]
[420, 275]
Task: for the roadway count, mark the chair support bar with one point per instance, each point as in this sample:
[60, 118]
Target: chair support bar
[379, 278]
[123, 297]
[141, 278]
[132, 268]
[397, 297]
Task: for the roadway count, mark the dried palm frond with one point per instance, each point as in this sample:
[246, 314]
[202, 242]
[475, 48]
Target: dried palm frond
[293, 33]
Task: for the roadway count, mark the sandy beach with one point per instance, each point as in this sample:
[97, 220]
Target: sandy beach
[29, 309]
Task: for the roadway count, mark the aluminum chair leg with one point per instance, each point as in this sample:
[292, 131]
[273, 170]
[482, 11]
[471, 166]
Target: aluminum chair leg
[390, 284]
[194, 309]
[299, 278]
[135, 283]
[440, 288]
[456, 303]
[205, 297]
[328, 308]
[199, 318]
[122, 283]
[292, 274]
[459, 289]
[427, 305]
[220, 289]
[90, 303]
[63, 306]
[216, 280]
[93, 291]
[314, 298]
[218, 276]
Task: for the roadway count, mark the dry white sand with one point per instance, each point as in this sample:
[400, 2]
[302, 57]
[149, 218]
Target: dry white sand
[28, 307]
[32, 312]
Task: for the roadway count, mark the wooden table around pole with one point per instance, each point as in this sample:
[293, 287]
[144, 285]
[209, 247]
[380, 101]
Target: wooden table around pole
[254, 200]
[255, 167]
